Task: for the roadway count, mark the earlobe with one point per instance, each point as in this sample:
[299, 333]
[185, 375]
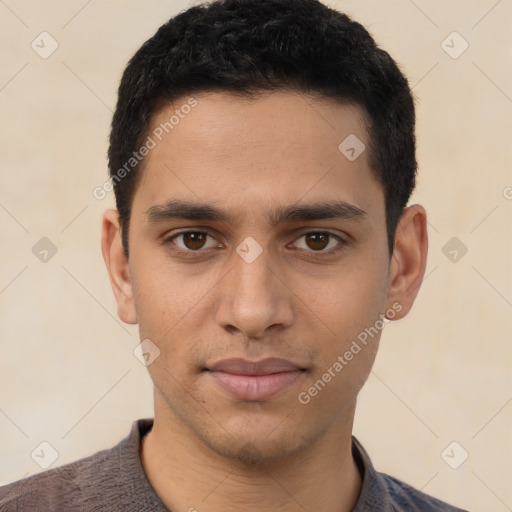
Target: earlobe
[117, 266]
[409, 259]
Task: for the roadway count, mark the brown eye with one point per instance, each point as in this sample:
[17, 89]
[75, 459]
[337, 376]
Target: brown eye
[317, 241]
[194, 240]
[191, 241]
[191, 244]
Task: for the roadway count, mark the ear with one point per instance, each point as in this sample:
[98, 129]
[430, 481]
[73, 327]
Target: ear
[409, 260]
[117, 266]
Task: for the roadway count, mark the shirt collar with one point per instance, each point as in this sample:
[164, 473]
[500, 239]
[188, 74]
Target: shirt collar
[374, 494]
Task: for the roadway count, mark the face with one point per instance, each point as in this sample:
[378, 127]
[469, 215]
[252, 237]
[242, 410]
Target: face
[258, 261]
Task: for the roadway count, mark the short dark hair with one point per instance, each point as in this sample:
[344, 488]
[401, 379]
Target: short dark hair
[246, 47]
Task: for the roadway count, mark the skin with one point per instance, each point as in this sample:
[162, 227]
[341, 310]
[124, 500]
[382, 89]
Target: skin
[208, 450]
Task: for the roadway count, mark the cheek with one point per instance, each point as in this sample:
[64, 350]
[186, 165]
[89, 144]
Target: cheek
[334, 388]
[346, 349]
[173, 308]
[348, 321]
[163, 296]
[349, 299]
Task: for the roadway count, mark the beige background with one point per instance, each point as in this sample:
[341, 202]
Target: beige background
[68, 375]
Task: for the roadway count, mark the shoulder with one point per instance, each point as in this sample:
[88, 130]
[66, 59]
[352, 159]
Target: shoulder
[111, 479]
[381, 491]
[65, 487]
[405, 497]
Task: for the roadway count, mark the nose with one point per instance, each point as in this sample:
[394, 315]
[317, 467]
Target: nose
[253, 297]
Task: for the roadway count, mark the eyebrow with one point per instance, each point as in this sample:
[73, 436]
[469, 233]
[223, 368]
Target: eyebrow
[178, 209]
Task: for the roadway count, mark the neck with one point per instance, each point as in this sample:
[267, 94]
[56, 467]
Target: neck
[187, 475]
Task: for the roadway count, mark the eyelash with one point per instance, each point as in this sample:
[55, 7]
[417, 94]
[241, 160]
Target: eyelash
[194, 253]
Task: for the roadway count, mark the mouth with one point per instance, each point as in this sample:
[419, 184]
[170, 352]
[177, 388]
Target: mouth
[255, 380]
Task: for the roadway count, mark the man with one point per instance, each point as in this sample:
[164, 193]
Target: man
[262, 155]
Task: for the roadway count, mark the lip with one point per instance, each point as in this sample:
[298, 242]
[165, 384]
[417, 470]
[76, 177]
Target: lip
[254, 380]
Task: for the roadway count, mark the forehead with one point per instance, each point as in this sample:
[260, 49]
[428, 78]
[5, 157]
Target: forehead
[250, 154]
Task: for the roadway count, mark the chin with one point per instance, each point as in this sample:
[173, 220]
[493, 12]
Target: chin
[254, 451]
[250, 446]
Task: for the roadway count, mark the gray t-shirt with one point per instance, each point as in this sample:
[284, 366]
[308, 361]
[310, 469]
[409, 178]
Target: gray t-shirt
[114, 480]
